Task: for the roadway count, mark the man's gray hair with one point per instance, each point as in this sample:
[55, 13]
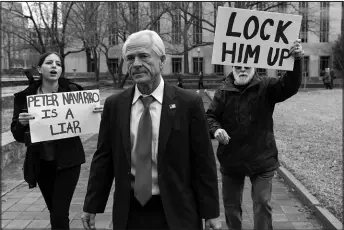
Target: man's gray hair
[157, 43]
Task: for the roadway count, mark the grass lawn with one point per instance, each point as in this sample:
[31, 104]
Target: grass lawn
[308, 131]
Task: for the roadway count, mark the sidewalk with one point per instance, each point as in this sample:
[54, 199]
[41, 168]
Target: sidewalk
[25, 209]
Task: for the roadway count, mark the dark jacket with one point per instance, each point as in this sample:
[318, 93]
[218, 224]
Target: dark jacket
[70, 151]
[247, 118]
[187, 174]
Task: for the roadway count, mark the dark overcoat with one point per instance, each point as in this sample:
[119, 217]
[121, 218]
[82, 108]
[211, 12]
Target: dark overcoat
[247, 117]
[187, 175]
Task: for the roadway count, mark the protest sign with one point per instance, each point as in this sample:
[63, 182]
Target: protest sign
[255, 38]
[63, 115]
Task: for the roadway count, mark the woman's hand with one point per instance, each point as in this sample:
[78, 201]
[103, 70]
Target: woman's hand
[24, 118]
[98, 109]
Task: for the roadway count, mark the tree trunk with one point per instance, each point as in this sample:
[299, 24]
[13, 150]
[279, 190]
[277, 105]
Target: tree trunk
[61, 49]
[185, 44]
[96, 64]
[120, 74]
[112, 73]
[9, 58]
[53, 40]
[124, 80]
[88, 59]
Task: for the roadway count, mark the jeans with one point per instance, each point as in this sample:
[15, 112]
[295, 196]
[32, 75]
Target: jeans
[57, 188]
[232, 192]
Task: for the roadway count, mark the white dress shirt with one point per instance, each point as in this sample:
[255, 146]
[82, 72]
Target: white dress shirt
[155, 112]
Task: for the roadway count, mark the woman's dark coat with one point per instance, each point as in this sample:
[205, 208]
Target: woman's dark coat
[69, 151]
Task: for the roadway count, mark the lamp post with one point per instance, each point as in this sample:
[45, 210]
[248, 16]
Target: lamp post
[198, 50]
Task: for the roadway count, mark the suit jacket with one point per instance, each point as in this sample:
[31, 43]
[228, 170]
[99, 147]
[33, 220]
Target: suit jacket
[187, 174]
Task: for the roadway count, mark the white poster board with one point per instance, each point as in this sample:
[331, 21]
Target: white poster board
[255, 38]
[63, 115]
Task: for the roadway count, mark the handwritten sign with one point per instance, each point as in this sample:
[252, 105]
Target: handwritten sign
[63, 115]
[255, 38]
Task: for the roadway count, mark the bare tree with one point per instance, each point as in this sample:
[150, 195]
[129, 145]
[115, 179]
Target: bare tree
[7, 46]
[125, 18]
[86, 27]
[45, 28]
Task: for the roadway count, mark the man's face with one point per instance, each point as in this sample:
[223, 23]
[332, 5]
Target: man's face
[242, 75]
[144, 65]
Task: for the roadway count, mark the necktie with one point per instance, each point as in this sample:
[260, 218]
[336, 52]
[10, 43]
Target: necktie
[143, 150]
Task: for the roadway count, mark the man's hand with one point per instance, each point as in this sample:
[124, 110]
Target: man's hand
[222, 136]
[88, 221]
[296, 50]
[214, 224]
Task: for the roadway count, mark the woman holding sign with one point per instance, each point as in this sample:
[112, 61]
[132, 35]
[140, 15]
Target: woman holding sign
[53, 165]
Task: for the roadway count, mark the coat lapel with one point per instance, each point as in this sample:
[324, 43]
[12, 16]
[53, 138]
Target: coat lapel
[125, 110]
[168, 111]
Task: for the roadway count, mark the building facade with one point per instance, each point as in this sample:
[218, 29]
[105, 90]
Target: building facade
[12, 55]
[321, 25]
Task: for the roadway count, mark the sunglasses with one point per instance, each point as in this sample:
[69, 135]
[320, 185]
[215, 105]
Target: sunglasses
[239, 67]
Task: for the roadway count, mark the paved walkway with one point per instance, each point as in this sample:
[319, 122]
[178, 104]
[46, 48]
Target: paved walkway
[25, 209]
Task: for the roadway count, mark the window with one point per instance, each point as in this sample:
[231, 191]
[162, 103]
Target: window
[216, 6]
[197, 23]
[176, 27]
[261, 71]
[113, 65]
[324, 63]
[113, 36]
[176, 65]
[303, 6]
[34, 37]
[324, 21]
[134, 16]
[93, 38]
[305, 66]
[261, 6]
[91, 23]
[197, 65]
[280, 72]
[155, 10]
[218, 69]
[92, 65]
[113, 16]
[342, 18]
[282, 7]
[241, 5]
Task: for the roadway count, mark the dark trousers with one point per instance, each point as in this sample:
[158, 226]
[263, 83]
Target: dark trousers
[57, 188]
[149, 216]
[232, 192]
[328, 85]
[200, 85]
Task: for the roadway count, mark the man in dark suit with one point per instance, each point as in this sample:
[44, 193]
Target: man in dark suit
[154, 141]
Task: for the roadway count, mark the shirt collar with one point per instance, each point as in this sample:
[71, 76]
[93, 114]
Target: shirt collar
[158, 93]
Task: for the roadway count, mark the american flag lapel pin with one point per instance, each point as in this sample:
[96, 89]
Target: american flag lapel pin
[172, 106]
